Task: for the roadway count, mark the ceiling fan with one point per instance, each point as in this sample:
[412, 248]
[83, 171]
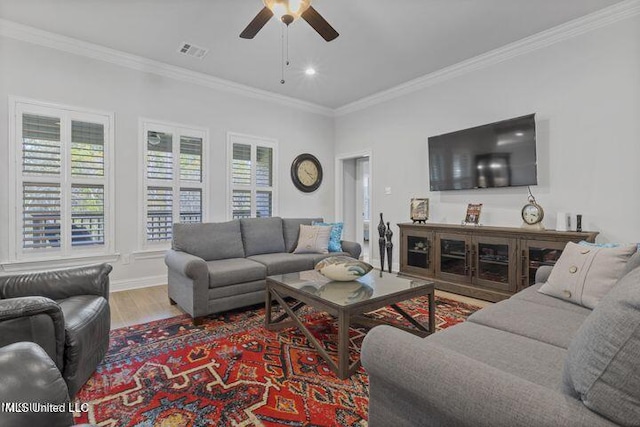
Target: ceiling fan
[288, 11]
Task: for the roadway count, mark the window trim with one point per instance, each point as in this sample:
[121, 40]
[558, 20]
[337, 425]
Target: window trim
[176, 129]
[254, 141]
[19, 105]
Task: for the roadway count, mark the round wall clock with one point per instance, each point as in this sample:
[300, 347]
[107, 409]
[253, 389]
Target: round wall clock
[532, 214]
[306, 173]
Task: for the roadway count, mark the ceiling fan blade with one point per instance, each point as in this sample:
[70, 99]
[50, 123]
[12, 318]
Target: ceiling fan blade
[319, 24]
[257, 23]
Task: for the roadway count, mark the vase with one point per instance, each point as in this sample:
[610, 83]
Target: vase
[381, 241]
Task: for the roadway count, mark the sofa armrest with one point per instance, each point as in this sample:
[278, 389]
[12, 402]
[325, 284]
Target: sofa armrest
[188, 265]
[442, 387]
[188, 282]
[29, 375]
[58, 284]
[35, 319]
[353, 248]
[543, 272]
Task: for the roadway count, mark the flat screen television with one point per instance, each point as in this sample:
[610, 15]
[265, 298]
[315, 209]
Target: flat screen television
[500, 154]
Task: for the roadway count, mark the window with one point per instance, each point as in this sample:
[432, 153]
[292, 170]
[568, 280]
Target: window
[252, 170]
[174, 179]
[62, 177]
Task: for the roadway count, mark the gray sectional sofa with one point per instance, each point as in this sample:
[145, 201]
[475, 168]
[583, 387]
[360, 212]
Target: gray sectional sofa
[214, 267]
[532, 360]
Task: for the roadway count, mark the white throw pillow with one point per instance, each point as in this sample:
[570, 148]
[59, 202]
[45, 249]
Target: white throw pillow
[313, 239]
[583, 275]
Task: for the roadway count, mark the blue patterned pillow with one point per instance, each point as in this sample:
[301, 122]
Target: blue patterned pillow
[603, 245]
[336, 235]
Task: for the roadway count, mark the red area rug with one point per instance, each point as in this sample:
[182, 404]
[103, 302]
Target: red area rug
[231, 371]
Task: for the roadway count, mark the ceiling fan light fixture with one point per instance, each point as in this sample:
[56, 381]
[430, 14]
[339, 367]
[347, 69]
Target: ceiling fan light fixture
[287, 10]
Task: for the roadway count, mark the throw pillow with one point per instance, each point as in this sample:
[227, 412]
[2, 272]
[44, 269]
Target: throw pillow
[583, 275]
[313, 239]
[342, 268]
[606, 245]
[336, 235]
[602, 367]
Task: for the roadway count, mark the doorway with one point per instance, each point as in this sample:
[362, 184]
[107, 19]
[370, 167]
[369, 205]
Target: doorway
[353, 198]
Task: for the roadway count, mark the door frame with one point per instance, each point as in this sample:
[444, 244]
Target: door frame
[339, 184]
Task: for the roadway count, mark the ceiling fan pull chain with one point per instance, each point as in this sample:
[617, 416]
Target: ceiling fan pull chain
[282, 56]
[287, 36]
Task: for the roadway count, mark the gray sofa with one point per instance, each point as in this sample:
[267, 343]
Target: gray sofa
[214, 267]
[532, 360]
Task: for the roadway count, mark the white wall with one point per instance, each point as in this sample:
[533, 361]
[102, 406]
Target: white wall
[586, 93]
[40, 73]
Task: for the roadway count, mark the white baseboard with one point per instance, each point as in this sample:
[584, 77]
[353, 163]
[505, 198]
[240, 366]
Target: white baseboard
[137, 283]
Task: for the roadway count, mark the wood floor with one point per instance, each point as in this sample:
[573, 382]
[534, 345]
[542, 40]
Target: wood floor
[148, 304]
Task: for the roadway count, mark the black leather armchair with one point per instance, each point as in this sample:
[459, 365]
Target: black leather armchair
[66, 312]
[28, 375]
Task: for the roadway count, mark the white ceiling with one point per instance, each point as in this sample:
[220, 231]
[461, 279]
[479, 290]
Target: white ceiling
[382, 43]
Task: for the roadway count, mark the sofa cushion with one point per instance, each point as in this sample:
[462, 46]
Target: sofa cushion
[291, 229]
[313, 239]
[602, 366]
[632, 264]
[237, 289]
[551, 325]
[262, 235]
[283, 263]
[225, 272]
[209, 241]
[583, 275]
[532, 295]
[532, 360]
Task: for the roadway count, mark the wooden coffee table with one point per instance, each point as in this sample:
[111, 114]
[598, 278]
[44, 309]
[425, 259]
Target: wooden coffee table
[348, 302]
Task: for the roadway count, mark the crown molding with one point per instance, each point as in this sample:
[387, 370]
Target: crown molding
[78, 47]
[570, 29]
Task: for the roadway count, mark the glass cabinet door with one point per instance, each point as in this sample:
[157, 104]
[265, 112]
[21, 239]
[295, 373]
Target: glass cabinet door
[418, 249]
[535, 254]
[416, 252]
[493, 262]
[453, 257]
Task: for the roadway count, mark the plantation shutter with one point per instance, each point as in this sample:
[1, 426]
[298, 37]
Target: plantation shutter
[252, 179]
[41, 146]
[190, 205]
[241, 165]
[62, 181]
[190, 159]
[87, 149]
[159, 213]
[87, 215]
[41, 219]
[264, 167]
[264, 204]
[241, 204]
[159, 155]
[174, 180]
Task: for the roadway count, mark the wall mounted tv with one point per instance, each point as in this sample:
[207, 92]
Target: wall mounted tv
[501, 154]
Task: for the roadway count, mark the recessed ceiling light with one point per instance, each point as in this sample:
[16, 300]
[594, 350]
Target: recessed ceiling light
[519, 134]
[310, 71]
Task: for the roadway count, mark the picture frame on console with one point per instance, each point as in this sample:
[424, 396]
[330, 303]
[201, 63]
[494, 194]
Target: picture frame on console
[473, 214]
[419, 211]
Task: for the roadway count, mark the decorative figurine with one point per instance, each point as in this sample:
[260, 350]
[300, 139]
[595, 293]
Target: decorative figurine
[381, 241]
[389, 235]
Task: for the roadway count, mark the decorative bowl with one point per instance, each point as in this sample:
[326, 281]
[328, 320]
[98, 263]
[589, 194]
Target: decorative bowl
[342, 268]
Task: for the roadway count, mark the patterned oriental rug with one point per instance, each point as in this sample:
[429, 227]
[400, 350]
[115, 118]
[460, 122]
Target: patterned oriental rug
[231, 371]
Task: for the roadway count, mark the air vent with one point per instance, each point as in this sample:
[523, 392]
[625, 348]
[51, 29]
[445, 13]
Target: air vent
[192, 50]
